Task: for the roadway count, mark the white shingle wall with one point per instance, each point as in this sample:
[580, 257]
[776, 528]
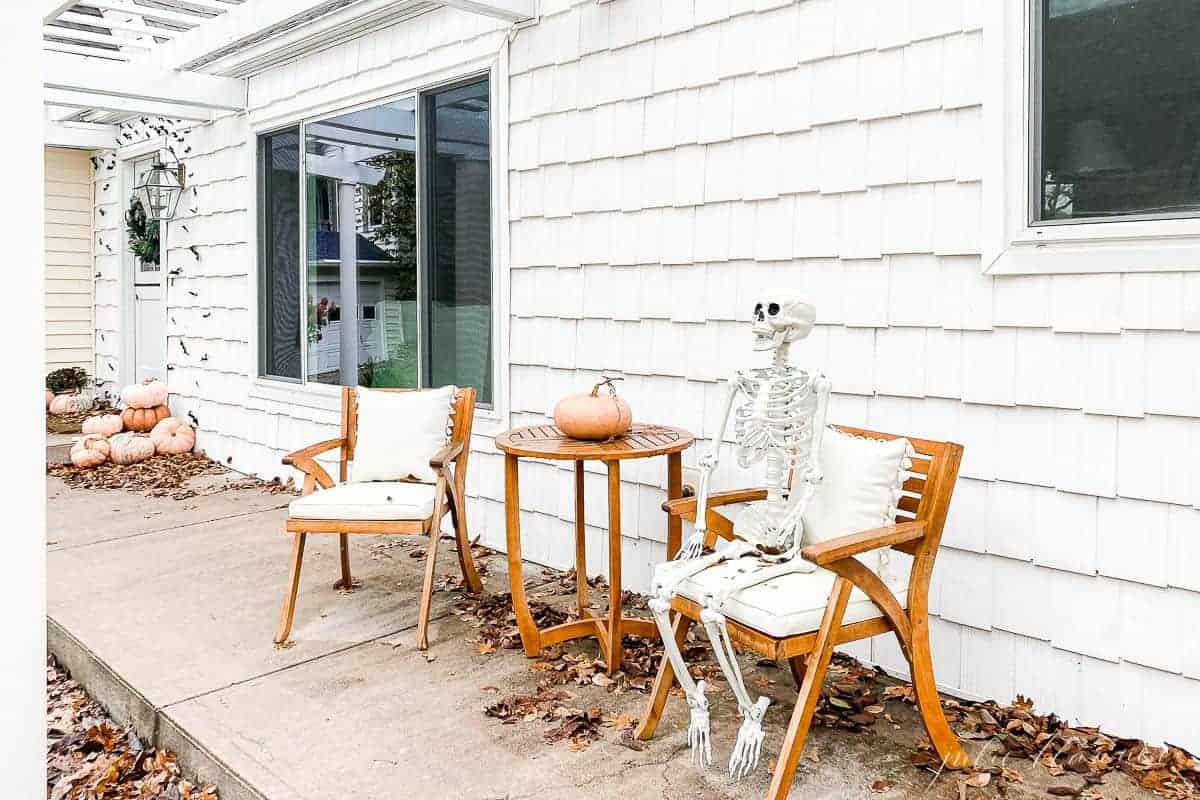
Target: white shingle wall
[668, 162]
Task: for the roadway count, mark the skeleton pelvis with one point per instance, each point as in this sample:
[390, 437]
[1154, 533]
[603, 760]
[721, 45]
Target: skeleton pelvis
[759, 527]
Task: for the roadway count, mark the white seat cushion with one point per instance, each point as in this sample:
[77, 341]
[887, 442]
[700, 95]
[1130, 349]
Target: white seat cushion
[786, 606]
[398, 432]
[380, 501]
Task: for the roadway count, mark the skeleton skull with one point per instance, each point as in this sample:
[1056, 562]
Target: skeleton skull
[782, 315]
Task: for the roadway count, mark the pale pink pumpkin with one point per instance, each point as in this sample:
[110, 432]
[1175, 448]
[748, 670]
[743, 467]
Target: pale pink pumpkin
[593, 416]
[173, 436]
[49, 399]
[103, 424]
[130, 448]
[152, 392]
[70, 404]
[90, 451]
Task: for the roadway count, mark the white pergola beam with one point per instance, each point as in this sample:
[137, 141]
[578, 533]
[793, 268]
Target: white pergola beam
[115, 56]
[89, 101]
[118, 22]
[342, 170]
[107, 82]
[82, 135]
[509, 10]
[134, 10]
[135, 42]
[52, 8]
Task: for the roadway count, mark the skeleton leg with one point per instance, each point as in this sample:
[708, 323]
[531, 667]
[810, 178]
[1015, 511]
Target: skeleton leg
[698, 735]
[748, 746]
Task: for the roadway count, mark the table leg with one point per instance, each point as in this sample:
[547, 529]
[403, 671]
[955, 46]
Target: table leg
[674, 492]
[614, 566]
[581, 584]
[516, 581]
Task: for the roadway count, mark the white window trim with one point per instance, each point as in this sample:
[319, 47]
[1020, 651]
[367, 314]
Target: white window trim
[1011, 246]
[488, 421]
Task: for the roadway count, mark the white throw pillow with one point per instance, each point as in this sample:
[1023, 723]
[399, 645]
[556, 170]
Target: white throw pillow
[862, 480]
[398, 432]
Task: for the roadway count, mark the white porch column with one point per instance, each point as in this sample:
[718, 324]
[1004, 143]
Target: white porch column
[348, 280]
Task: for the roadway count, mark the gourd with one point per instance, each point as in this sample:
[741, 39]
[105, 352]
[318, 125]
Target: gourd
[49, 399]
[130, 448]
[172, 436]
[90, 451]
[152, 392]
[103, 424]
[70, 404]
[141, 420]
[592, 415]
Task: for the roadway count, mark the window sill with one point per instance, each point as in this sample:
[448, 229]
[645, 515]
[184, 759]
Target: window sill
[1150, 254]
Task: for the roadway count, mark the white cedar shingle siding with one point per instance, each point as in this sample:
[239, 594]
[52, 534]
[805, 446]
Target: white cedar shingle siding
[671, 160]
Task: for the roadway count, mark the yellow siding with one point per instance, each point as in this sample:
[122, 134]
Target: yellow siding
[69, 328]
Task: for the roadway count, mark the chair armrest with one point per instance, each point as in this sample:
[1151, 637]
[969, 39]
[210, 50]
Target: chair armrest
[827, 552]
[444, 455]
[304, 460]
[686, 506]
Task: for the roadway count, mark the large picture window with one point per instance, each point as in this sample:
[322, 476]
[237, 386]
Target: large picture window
[388, 268]
[1117, 95]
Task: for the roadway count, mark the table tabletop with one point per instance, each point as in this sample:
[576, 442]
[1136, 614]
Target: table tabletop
[640, 441]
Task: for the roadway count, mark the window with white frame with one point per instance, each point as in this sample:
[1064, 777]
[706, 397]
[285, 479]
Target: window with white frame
[375, 231]
[1093, 137]
[1117, 99]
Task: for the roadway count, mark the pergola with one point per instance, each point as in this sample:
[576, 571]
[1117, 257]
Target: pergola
[109, 61]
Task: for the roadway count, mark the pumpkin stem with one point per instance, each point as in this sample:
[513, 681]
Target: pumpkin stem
[606, 381]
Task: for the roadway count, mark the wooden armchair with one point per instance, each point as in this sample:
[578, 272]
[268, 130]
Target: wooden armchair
[411, 507]
[874, 608]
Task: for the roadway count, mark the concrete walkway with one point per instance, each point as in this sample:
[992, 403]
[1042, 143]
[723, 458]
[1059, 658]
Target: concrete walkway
[164, 610]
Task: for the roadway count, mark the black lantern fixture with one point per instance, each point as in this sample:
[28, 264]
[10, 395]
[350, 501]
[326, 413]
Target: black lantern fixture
[160, 190]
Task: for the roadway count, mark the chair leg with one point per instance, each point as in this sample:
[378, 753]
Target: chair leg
[798, 665]
[347, 581]
[289, 594]
[810, 691]
[941, 736]
[466, 561]
[435, 536]
[663, 682]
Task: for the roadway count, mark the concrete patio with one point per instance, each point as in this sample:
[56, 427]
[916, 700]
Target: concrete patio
[164, 611]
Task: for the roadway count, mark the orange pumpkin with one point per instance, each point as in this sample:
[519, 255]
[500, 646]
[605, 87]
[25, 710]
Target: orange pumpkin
[593, 416]
[143, 419]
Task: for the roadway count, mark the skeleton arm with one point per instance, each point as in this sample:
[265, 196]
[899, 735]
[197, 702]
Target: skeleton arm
[708, 462]
[822, 386]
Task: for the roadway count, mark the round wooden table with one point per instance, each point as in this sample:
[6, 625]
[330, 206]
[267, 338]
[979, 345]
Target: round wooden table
[548, 442]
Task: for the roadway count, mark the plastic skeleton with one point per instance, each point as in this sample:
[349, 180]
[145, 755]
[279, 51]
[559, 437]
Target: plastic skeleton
[779, 421]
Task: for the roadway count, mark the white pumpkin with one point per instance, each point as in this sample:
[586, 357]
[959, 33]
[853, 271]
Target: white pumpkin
[90, 451]
[172, 436]
[49, 399]
[148, 394]
[130, 448]
[70, 404]
[103, 424]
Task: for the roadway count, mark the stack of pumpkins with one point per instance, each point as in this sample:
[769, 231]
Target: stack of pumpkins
[143, 429]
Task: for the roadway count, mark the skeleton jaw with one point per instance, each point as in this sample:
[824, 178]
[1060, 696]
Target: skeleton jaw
[767, 338]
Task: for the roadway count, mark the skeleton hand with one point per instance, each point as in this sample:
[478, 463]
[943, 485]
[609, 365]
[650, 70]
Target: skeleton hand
[707, 462]
[698, 737]
[694, 545]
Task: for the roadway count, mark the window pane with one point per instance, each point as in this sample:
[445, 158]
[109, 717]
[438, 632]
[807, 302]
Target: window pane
[279, 256]
[1120, 108]
[459, 246]
[362, 247]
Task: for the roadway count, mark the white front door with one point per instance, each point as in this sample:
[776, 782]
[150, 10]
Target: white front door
[149, 328]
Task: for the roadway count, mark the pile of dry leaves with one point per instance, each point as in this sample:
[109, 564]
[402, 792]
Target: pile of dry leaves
[88, 757]
[160, 476]
[73, 423]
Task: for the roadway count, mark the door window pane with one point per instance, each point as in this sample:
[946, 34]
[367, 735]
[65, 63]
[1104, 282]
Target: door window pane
[1120, 108]
[458, 238]
[279, 258]
[362, 247]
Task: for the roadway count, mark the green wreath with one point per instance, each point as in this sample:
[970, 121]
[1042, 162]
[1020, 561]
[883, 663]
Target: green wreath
[143, 232]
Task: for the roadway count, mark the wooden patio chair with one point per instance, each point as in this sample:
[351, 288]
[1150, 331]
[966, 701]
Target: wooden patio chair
[934, 471]
[405, 506]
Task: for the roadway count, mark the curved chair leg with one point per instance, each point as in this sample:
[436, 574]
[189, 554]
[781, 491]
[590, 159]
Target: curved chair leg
[289, 594]
[435, 535]
[941, 736]
[810, 692]
[466, 561]
[663, 682]
[347, 581]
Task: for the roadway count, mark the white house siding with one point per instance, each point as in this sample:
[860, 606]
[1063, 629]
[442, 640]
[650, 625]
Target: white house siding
[68, 259]
[668, 161]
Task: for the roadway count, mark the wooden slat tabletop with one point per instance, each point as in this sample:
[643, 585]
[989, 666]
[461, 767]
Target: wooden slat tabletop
[547, 441]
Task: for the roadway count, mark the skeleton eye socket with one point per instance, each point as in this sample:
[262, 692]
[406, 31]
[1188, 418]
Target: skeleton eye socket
[758, 308]
[773, 309]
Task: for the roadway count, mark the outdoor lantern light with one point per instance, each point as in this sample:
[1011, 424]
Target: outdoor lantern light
[159, 192]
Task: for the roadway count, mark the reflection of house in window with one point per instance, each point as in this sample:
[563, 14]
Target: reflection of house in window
[373, 218]
[324, 204]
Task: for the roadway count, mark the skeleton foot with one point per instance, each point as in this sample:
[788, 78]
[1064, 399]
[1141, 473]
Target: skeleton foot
[698, 736]
[748, 746]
